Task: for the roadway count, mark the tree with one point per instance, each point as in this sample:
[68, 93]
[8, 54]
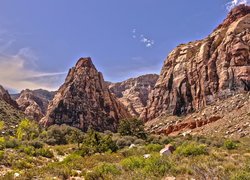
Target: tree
[132, 127]
[27, 130]
[1, 125]
[95, 142]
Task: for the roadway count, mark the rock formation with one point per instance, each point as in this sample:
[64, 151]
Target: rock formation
[133, 93]
[84, 101]
[5, 96]
[197, 74]
[9, 112]
[34, 103]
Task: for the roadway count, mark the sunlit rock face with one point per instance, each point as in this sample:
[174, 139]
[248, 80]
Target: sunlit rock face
[134, 92]
[198, 73]
[34, 103]
[84, 101]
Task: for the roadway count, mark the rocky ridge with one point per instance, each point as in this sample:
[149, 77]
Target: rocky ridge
[199, 73]
[134, 92]
[84, 101]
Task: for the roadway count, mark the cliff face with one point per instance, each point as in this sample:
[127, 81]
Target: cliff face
[85, 101]
[196, 74]
[5, 96]
[34, 103]
[134, 92]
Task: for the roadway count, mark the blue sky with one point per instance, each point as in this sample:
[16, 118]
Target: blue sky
[40, 40]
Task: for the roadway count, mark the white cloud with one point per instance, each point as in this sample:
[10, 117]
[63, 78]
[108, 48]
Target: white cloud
[18, 72]
[148, 42]
[234, 3]
[145, 40]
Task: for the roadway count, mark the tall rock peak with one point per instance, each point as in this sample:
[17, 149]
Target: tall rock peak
[84, 101]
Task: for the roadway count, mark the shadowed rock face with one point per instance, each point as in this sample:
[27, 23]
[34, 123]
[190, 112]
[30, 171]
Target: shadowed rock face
[85, 101]
[34, 103]
[5, 96]
[133, 93]
[198, 73]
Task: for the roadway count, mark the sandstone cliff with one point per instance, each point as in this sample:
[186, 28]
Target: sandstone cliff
[85, 101]
[197, 74]
[34, 103]
[134, 92]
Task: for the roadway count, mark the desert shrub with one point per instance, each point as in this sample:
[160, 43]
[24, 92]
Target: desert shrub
[132, 127]
[29, 150]
[44, 153]
[12, 143]
[191, 149]
[2, 142]
[156, 165]
[133, 163]
[95, 142]
[27, 130]
[241, 175]
[139, 142]
[153, 147]
[1, 155]
[229, 144]
[107, 168]
[36, 144]
[62, 134]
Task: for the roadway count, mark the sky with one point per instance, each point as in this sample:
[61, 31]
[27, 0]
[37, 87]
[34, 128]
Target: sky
[40, 40]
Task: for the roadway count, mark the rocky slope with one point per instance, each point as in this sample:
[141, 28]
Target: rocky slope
[134, 92]
[34, 103]
[85, 101]
[9, 112]
[5, 96]
[224, 118]
[199, 73]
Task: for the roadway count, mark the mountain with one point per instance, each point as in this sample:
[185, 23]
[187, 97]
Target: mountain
[34, 103]
[84, 101]
[9, 111]
[134, 92]
[197, 74]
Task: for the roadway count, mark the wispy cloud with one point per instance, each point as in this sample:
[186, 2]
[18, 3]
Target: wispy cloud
[19, 71]
[148, 42]
[234, 3]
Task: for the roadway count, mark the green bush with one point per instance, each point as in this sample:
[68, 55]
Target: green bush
[12, 143]
[27, 130]
[36, 144]
[153, 147]
[191, 149]
[229, 144]
[107, 168]
[156, 165]
[1, 155]
[62, 134]
[132, 127]
[133, 163]
[94, 142]
[241, 175]
[44, 152]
